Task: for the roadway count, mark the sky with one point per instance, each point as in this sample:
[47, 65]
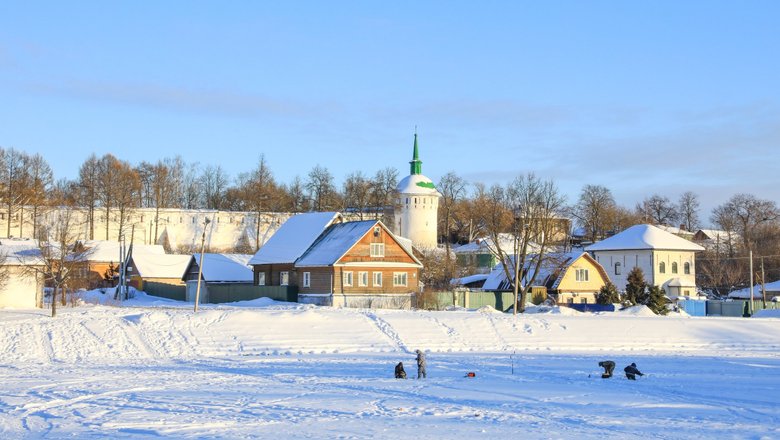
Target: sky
[641, 97]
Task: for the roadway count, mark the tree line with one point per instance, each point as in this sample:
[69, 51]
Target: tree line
[107, 185]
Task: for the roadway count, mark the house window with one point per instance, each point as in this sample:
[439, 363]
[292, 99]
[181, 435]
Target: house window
[687, 268]
[377, 279]
[570, 300]
[581, 275]
[583, 300]
[261, 278]
[347, 279]
[284, 278]
[662, 267]
[399, 278]
[362, 279]
[617, 268]
[674, 267]
[307, 279]
[377, 250]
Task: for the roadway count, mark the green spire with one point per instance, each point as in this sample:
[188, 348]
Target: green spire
[416, 163]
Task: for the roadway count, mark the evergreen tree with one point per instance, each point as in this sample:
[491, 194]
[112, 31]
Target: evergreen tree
[608, 294]
[656, 300]
[636, 287]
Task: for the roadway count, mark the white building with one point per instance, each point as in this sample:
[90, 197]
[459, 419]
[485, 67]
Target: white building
[22, 288]
[417, 207]
[666, 259]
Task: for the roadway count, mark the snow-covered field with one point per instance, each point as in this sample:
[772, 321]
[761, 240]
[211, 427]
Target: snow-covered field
[262, 369]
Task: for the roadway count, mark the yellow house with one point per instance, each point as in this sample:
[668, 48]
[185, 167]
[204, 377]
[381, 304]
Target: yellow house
[565, 278]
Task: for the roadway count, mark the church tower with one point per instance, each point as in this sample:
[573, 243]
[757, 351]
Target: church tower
[417, 205]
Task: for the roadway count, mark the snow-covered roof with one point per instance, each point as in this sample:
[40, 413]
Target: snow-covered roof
[417, 184]
[102, 250]
[676, 231]
[680, 282]
[469, 279]
[487, 246]
[23, 242]
[18, 254]
[715, 234]
[161, 266]
[225, 267]
[773, 287]
[337, 240]
[294, 237]
[551, 267]
[644, 237]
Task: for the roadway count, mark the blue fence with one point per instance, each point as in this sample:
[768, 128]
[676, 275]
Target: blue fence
[592, 307]
[694, 308]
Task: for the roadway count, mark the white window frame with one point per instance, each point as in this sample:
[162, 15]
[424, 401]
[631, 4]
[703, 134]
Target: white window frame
[377, 279]
[618, 268]
[377, 250]
[581, 275]
[400, 279]
[284, 278]
[362, 279]
[346, 279]
[261, 278]
[307, 279]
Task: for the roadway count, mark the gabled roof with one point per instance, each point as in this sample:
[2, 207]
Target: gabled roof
[223, 267]
[745, 293]
[102, 250]
[338, 239]
[639, 237]
[294, 237]
[549, 271]
[161, 266]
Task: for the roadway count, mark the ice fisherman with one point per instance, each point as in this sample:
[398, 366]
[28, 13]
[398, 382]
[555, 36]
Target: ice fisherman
[399, 371]
[632, 371]
[609, 367]
[420, 364]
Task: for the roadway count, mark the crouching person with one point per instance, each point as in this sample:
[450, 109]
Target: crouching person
[399, 371]
[632, 372]
[608, 367]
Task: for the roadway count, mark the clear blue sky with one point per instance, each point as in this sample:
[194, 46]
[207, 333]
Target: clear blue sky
[642, 97]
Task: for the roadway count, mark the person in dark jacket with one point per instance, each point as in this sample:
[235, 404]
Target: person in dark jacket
[399, 371]
[608, 367]
[632, 372]
[420, 364]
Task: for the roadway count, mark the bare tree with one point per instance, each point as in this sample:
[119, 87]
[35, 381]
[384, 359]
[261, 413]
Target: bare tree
[452, 188]
[593, 210]
[384, 188]
[658, 210]
[529, 209]
[41, 181]
[747, 214]
[688, 208]
[357, 193]
[60, 258]
[15, 180]
[322, 191]
[89, 177]
[296, 195]
[214, 182]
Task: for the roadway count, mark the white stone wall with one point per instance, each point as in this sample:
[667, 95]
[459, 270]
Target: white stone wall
[21, 291]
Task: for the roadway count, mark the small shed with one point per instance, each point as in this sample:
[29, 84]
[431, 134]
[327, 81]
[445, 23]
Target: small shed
[226, 270]
[158, 275]
[21, 288]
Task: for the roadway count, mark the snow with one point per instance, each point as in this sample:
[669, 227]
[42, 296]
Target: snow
[225, 267]
[294, 237]
[108, 251]
[263, 369]
[417, 185]
[161, 266]
[334, 243]
[644, 237]
[772, 289]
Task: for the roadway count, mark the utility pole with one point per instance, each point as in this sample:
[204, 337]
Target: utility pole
[763, 283]
[200, 263]
[750, 254]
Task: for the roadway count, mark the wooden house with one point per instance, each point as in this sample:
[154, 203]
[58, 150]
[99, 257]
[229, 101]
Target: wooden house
[332, 262]
[101, 261]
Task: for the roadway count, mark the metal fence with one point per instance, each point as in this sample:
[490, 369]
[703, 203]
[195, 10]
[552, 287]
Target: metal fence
[170, 291]
[224, 293]
[736, 308]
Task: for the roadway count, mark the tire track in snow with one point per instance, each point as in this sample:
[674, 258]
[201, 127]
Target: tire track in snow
[134, 338]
